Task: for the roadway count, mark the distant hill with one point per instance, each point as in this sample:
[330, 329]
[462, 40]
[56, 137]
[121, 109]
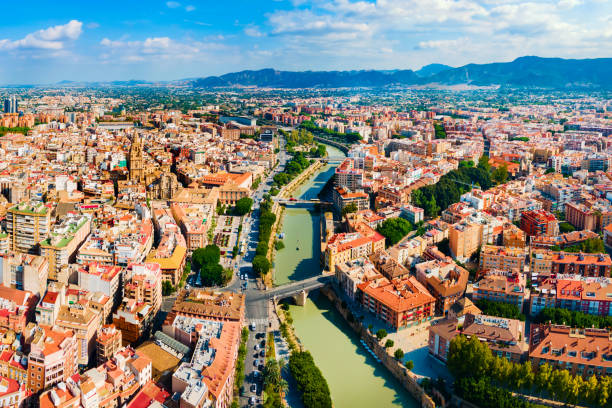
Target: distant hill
[431, 69]
[532, 72]
[538, 72]
[309, 79]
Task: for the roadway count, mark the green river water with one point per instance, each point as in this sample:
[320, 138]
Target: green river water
[355, 379]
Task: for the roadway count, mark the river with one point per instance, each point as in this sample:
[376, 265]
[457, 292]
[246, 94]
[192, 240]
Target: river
[355, 379]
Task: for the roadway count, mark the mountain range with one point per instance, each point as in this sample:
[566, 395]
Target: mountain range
[555, 73]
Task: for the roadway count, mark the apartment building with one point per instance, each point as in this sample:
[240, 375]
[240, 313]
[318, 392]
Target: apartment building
[106, 279]
[208, 304]
[345, 247]
[24, 271]
[84, 321]
[145, 285]
[109, 385]
[64, 240]
[346, 175]
[539, 222]
[581, 217]
[171, 252]
[583, 352]
[513, 236]
[27, 225]
[16, 308]
[403, 302]
[194, 221]
[208, 379]
[351, 274]
[53, 356]
[108, 343]
[504, 258]
[505, 337]
[562, 241]
[576, 293]
[582, 264]
[342, 197]
[14, 365]
[134, 319]
[445, 280]
[412, 213]
[501, 286]
[464, 239]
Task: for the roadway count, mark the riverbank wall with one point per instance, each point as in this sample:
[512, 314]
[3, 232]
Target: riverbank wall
[399, 371]
[337, 145]
[279, 211]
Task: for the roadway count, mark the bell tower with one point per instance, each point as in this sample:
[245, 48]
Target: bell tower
[136, 160]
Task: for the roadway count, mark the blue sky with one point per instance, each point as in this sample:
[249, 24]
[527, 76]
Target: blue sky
[46, 41]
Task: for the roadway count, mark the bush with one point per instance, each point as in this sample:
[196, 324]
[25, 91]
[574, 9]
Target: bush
[310, 381]
[381, 334]
[279, 245]
[389, 343]
[399, 354]
[409, 365]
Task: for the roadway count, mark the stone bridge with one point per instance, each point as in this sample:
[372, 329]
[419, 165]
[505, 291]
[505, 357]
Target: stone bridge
[297, 291]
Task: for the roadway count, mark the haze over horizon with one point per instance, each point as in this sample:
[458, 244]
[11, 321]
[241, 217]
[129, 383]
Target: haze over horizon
[169, 40]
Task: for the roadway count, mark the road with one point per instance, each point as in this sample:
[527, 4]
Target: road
[256, 299]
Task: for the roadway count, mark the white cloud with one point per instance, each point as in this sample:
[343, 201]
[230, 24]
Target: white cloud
[253, 31]
[52, 38]
[190, 8]
[173, 4]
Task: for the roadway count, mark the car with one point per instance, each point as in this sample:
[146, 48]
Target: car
[252, 326]
[252, 401]
[253, 388]
[256, 347]
[256, 362]
[263, 353]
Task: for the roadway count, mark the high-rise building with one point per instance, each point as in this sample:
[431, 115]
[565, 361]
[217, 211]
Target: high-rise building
[10, 105]
[27, 225]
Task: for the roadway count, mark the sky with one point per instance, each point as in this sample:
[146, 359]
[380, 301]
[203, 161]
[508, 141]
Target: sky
[49, 41]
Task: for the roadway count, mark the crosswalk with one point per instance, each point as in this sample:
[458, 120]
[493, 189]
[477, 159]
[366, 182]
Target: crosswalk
[259, 322]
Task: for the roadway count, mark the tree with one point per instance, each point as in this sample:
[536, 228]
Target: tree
[349, 208]
[381, 334]
[211, 254]
[483, 163]
[212, 274]
[261, 265]
[543, 376]
[389, 343]
[398, 354]
[565, 227]
[500, 174]
[468, 357]
[243, 206]
[394, 230]
[167, 288]
[409, 365]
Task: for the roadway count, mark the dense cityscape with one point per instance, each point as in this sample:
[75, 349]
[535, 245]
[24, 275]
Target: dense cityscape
[160, 246]
[306, 204]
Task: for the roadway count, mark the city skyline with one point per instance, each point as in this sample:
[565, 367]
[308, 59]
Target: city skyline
[170, 40]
